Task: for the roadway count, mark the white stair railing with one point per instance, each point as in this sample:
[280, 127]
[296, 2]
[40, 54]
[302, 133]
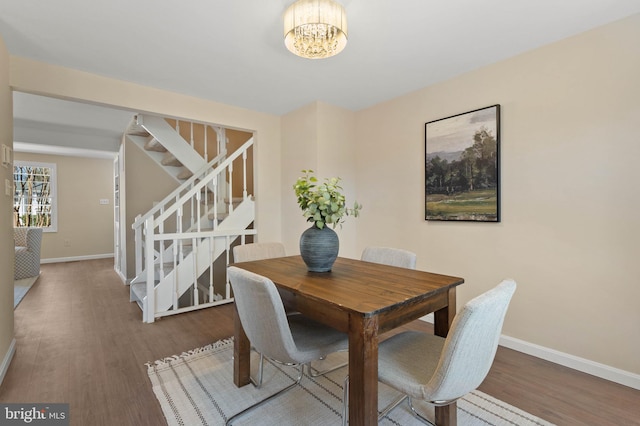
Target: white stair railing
[172, 141]
[180, 154]
[186, 188]
[191, 234]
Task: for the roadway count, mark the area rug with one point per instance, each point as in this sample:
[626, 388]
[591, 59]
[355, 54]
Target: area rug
[20, 289]
[196, 388]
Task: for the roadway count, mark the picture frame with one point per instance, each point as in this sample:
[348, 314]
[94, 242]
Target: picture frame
[462, 167]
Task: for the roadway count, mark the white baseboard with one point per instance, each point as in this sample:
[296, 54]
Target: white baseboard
[603, 371]
[75, 258]
[7, 360]
[124, 279]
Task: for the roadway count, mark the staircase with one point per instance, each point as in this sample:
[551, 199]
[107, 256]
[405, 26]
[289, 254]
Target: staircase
[182, 244]
[174, 154]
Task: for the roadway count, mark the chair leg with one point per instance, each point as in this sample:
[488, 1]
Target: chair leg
[328, 370]
[399, 400]
[258, 383]
[418, 415]
[264, 401]
[391, 406]
[345, 402]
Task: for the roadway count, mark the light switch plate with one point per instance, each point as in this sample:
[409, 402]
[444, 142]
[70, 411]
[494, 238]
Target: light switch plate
[8, 187]
[104, 201]
[7, 156]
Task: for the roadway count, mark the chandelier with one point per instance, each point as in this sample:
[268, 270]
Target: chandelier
[315, 29]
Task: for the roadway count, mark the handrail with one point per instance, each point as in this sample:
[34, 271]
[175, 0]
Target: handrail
[140, 219]
[187, 196]
[204, 234]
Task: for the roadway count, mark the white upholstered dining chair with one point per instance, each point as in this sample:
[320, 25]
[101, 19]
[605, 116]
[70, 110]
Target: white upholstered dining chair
[268, 250]
[259, 251]
[288, 339]
[441, 370]
[390, 256]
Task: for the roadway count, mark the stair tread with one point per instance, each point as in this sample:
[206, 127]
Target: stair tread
[139, 290]
[172, 140]
[185, 174]
[135, 129]
[171, 160]
[154, 145]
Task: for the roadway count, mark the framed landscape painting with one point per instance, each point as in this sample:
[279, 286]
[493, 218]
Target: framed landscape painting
[462, 167]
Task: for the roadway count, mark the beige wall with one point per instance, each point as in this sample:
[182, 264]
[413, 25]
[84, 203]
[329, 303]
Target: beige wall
[569, 151]
[299, 152]
[146, 184]
[85, 227]
[6, 215]
[236, 139]
[322, 138]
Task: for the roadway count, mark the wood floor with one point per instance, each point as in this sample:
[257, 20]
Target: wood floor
[80, 341]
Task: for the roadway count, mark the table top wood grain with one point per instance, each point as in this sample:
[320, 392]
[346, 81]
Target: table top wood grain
[354, 285]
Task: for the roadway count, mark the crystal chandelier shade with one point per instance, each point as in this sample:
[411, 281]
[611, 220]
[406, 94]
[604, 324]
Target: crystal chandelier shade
[315, 29]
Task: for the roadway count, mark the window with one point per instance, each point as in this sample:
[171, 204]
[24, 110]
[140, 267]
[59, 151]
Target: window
[34, 199]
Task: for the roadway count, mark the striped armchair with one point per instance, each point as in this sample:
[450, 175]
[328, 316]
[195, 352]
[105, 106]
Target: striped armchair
[27, 245]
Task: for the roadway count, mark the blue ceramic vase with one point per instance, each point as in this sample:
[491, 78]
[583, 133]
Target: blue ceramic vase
[319, 248]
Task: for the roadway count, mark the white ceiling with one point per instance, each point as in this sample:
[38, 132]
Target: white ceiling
[233, 51]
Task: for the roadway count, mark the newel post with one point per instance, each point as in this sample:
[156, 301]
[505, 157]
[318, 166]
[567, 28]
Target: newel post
[150, 269]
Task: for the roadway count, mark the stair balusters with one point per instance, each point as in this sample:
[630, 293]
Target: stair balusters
[164, 286]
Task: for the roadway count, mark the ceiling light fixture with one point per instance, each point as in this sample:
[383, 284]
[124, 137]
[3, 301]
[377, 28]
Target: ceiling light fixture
[315, 29]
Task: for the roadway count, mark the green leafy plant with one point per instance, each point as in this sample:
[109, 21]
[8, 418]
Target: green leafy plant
[323, 203]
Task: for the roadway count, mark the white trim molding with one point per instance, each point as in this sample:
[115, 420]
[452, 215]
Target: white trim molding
[61, 150]
[124, 279]
[603, 371]
[7, 360]
[76, 258]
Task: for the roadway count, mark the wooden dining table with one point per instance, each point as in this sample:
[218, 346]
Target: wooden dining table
[364, 300]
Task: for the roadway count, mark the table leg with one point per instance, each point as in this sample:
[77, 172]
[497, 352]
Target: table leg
[363, 371]
[241, 353]
[447, 415]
